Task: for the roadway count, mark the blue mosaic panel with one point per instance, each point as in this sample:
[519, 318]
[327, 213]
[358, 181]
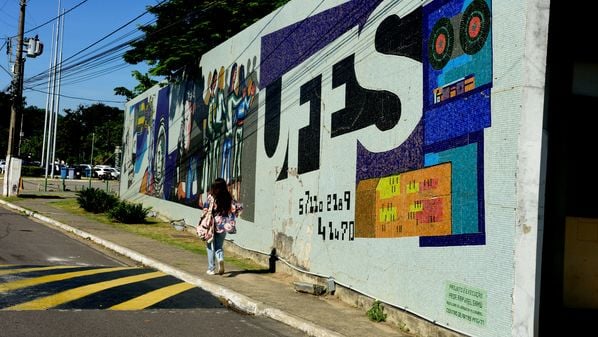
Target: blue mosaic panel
[457, 50]
[466, 155]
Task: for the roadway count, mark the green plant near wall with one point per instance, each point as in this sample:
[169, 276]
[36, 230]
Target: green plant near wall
[376, 312]
[129, 213]
[96, 200]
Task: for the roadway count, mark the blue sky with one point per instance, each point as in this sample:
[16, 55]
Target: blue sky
[89, 22]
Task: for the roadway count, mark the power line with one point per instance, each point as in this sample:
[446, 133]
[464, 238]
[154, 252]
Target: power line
[35, 79]
[80, 98]
[8, 72]
[54, 19]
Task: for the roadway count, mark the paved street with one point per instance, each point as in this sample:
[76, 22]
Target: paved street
[53, 285]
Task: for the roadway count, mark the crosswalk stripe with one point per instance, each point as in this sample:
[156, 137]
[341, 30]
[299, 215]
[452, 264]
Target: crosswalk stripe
[56, 277]
[26, 270]
[79, 292]
[152, 297]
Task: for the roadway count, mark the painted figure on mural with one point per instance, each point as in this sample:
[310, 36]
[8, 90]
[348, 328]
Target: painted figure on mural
[248, 91]
[211, 102]
[182, 150]
[188, 153]
[227, 145]
[146, 125]
[241, 112]
[228, 105]
[219, 123]
[129, 155]
[160, 157]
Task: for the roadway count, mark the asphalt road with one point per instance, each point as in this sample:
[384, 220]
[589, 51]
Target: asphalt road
[52, 284]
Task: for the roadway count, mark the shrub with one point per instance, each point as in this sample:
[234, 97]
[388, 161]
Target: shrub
[376, 312]
[32, 171]
[129, 213]
[96, 200]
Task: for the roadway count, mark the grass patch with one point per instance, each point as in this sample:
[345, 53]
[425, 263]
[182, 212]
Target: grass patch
[10, 199]
[156, 230]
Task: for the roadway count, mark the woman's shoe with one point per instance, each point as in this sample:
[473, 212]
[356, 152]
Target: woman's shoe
[221, 267]
[210, 272]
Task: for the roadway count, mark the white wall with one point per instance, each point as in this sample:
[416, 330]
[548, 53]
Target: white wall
[439, 193]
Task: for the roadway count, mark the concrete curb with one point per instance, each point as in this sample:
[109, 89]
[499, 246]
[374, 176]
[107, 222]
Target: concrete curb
[233, 299]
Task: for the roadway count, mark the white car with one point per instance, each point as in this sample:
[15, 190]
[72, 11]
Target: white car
[2, 165]
[107, 173]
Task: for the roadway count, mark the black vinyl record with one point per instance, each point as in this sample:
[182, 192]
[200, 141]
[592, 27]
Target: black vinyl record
[441, 43]
[475, 26]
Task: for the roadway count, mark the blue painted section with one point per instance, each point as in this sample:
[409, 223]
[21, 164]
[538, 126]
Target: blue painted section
[162, 116]
[288, 47]
[466, 155]
[457, 118]
[464, 194]
[469, 111]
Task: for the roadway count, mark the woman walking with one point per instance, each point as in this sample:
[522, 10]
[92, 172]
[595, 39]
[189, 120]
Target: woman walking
[224, 212]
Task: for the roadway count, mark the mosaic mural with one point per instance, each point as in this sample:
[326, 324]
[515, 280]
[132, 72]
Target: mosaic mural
[441, 206]
[430, 186]
[190, 134]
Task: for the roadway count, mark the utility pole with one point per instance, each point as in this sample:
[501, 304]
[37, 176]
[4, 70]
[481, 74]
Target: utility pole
[17, 97]
[17, 89]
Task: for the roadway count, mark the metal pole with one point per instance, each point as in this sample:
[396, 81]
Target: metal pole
[55, 107]
[43, 160]
[51, 91]
[93, 138]
[59, 66]
[47, 116]
[17, 99]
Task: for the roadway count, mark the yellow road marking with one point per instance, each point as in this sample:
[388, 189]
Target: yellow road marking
[25, 270]
[152, 297]
[57, 277]
[79, 292]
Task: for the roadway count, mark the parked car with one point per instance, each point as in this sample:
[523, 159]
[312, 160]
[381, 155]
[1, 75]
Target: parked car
[94, 171]
[83, 170]
[107, 173]
[2, 165]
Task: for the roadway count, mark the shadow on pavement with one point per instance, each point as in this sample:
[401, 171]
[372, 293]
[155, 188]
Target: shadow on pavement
[247, 271]
[40, 196]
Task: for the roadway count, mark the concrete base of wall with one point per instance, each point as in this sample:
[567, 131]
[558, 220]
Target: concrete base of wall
[405, 320]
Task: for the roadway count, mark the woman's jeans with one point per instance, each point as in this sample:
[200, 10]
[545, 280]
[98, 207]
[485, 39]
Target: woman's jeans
[214, 249]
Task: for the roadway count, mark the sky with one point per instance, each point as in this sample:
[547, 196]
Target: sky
[91, 70]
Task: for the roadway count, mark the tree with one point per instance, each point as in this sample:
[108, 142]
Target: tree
[74, 132]
[99, 123]
[186, 29]
[5, 103]
[33, 128]
[30, 145]
[145, 82]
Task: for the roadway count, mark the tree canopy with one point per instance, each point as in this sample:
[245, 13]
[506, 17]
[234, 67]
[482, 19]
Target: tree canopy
[76, 129]
[145, 82]
[186, 29]
[97, 123]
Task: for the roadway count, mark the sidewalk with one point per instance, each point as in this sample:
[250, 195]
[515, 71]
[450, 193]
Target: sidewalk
[253, 292]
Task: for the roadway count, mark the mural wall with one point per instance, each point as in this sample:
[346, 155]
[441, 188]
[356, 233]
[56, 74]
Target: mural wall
[356, 134]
